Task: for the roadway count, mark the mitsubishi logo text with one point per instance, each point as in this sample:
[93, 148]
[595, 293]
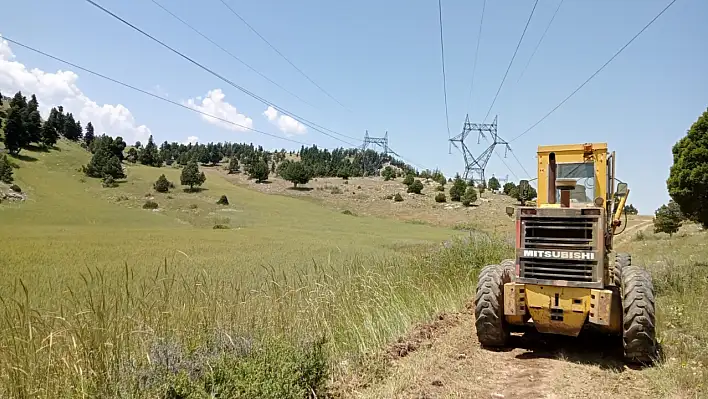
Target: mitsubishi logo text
[559, 254]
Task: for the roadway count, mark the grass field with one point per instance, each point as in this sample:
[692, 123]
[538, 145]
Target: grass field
[679, 268]
[102, 297]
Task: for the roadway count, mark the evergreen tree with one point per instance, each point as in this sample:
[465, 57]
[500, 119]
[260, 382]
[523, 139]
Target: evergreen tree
[132, 155]
[494, 184]
[191, 176]
[668, 218]
[416, 187]
[49, 135]
[33, 121]
[15, 133]
[149, 155]
[507, 188]
[408, 180]
[233, 165]
[71, 128]
[89, 136]
[469, 197]
[295, 172]
[104, 163]
[259, 171]
[388, 173]
[162, 185]
[458, 188]
[688, 177]
[5, 170]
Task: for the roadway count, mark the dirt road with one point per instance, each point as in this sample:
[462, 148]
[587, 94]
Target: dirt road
[449, 363]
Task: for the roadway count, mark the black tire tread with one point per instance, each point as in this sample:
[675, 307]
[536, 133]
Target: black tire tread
[622, 260]
[492, 330]
[639, 320]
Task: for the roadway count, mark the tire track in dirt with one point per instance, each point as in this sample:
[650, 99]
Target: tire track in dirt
[451, 364]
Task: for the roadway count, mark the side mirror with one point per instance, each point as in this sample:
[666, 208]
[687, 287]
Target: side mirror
[510, 211]
[621, 189]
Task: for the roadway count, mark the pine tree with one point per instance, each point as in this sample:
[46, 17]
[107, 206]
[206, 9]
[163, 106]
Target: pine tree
[458, 188]
[233, 165]
[15, 133]
[259, 171]
[469, 197]
[296, 173]
[104, 163]
[89, 136]
[191, 176]
[48, 135]
[33, 121]
[494, 184]
[149, 155]
[162, 185]
[668, 218]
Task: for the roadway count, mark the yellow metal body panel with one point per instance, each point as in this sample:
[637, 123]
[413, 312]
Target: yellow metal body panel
[568, 153]
[561, 310]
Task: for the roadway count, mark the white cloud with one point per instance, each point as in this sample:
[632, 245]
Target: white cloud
[285, 123]
[214, 104]
[54, 89]
[191, 140]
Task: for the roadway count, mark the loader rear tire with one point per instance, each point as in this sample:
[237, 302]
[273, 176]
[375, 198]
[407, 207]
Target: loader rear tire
[639, 320]
[492, 328]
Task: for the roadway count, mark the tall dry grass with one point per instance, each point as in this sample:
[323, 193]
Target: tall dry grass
[177, 334]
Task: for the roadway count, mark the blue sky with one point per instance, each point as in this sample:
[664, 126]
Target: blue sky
[382, 60]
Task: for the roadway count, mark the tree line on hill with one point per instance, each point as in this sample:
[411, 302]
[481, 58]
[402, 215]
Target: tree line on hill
[24, 128]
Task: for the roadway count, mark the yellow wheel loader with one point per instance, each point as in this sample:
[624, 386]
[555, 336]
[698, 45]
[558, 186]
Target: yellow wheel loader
[563, 278]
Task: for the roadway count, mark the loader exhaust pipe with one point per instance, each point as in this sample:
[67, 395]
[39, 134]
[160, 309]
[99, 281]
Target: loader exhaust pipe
[552, 178]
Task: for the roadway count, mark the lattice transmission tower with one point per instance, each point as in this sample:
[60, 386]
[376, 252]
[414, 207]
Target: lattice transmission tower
[475, 166]
[374, 141]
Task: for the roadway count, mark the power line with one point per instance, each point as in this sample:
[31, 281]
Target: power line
[442, 55]
[228, 52]
[540, 40]
[476, 52]
[281, 54]
[145, 91]
[596, 72]
[512, 60]
[292, 115]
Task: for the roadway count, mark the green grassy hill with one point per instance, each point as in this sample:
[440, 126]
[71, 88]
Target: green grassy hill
[106, 281]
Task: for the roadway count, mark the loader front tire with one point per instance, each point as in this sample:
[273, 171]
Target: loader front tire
[639, 320]
[622, 260]
[492, 329]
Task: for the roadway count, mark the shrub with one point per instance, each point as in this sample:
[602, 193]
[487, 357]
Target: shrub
[150, 205]
[109, 182]
[408, 180]
[398, 197]
[220, 226]
[440, 197]
[348, 212]
[223, 200]
[15, 188]
[162, 185]
[416, 187]
[5, 170]
[469, 197]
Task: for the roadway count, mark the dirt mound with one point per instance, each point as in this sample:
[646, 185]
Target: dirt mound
[422, 335]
